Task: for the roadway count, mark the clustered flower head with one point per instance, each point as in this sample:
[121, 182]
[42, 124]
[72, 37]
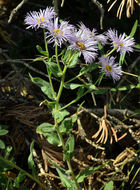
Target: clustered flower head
[83, 44]
[110, 68]
[38, 19]
[81, 39]
[59, 33]
[120, 42]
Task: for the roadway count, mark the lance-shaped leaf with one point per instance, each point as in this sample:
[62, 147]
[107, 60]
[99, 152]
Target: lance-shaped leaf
[68, 154]
[44, 85]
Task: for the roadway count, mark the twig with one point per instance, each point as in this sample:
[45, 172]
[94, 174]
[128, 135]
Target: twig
[14, 11]
[55, 4]
[62, 3]
[100, 7]
[28, 66]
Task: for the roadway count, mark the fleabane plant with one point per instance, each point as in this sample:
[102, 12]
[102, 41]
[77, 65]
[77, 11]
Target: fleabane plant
[70, 44]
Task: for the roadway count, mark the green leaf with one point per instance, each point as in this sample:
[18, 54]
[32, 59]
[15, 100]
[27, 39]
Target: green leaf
[81, 176]
[66, 125]
[54, 69]
[31, 163]
[50, 105]
[67, 56]
[74, 118]
[63, 175]
[4, 166]
[122, 55]
[38, 59]
[70, 58]
[69, 148]
[21, 176]
[66, 182]
[80, 92]
[123, 88]
[137, 111]
[137, 46]
[2, 145]
[40, 50]
[133, 31]
[48, 131]
[100, 91]
[53, 138]
[3, 132]
[44, 85]
[109, 186]
[45, 128]
[73, 60]
[3, 126]
[99, 80]
[91, 87]
[59, 115]
[101, 48]
[72, 86]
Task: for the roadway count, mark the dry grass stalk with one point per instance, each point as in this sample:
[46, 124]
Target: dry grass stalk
[126, 156]
[105, 130]
[129, 7]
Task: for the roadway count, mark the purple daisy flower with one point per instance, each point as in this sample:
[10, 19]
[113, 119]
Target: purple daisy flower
[93, 34]
[83, 44]
[38, 19]
[110, 68]
[59, 33]
[121, 42]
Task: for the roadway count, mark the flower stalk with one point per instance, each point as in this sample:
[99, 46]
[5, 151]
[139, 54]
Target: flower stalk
[46, 43]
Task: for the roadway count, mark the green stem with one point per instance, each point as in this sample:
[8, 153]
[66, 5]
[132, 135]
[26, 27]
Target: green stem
[110, 52]
[26, 173]
[61, 87]
[56, 54]
[72, 174]
[57, 128]
[60, 135]
[47, 51]
[50, 80]
[68, 161]
[46, 43]
[131, 74]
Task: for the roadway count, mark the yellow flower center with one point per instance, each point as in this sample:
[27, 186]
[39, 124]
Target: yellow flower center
[121, 44]
[40, 19]
[109, 68]
[58, 31]
[81, 45]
